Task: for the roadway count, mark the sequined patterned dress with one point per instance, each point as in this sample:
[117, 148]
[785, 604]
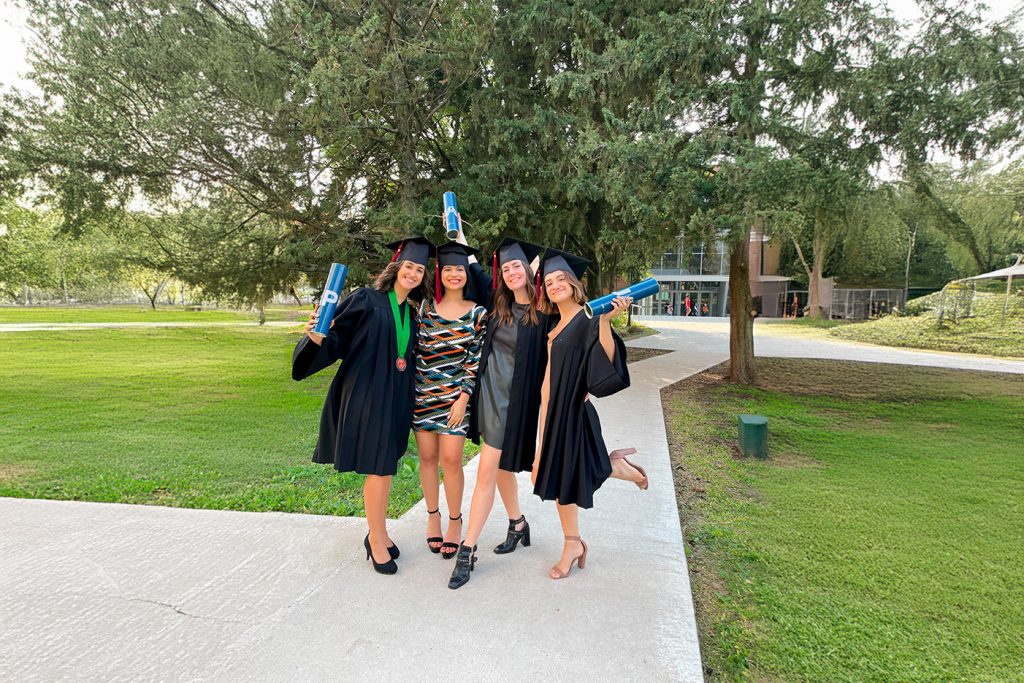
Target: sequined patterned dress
[447, 359]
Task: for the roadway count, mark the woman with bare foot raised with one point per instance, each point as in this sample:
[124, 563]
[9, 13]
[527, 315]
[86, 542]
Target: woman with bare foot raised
[585, 357]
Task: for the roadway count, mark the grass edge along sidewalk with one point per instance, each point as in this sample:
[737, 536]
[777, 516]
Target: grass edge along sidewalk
[14, 315]
[880, 541]
[181, 417]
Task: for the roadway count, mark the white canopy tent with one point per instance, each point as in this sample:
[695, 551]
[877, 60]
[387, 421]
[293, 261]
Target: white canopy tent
[1016, 270]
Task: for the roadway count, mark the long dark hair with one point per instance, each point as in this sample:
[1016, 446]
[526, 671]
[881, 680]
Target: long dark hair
[385, 282]
[504, 297]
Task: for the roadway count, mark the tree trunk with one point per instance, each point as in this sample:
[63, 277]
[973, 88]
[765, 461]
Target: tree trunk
[818, 265]
[64, 288]
[405, 139]
[906, 272]
[295, 295]
[742, 368]
[594, 219]
[159, 288]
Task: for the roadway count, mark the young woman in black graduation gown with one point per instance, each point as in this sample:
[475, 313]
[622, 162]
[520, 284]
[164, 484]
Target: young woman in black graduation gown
[503, 419]
[585, 357]
[367, 415]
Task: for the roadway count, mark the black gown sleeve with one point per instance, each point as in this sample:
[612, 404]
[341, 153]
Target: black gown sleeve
[309, 358]
[605, 377]
[482, 287]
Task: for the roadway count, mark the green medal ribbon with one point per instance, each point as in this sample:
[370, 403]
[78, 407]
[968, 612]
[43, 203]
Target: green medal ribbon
[401, 325]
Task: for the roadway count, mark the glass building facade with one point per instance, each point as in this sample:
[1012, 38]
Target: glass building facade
[694, 281]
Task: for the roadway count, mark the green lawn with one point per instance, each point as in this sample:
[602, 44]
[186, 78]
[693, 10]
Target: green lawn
[882, 539]
[985, 333]
[115, 314]
[121, 314]
[177, 417]
[630, 332]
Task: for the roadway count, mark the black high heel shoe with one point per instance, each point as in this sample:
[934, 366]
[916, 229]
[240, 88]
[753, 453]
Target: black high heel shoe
[389, 567]
[464, 564]
[393, 551]
[434, 539]
[448, 550]
[514, 536]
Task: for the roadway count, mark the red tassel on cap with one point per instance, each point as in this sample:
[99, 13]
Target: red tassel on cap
[437, 283]
[494, 271]
[398, 251]
[537, 287]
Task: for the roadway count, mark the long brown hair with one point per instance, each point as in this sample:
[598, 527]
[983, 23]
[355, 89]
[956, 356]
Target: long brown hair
[385, 282]
[578, 294]
[504, 297]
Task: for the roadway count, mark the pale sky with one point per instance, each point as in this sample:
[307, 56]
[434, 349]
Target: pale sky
[13, 32]
[13, 35]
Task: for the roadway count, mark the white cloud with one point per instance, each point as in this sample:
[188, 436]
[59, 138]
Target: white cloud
[13, 32]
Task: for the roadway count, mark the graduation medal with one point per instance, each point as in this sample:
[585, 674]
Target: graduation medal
[401, 331]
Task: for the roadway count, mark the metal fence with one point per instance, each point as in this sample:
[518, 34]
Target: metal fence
[864, 304]
[956, 301]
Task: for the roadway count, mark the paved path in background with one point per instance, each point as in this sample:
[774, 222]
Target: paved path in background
[711, 336]
[92, 591]
[57, 327]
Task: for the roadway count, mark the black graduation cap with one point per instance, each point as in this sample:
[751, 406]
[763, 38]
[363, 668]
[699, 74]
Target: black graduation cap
[415, 249]
[512, 250]
[453, 254]
[555, 259]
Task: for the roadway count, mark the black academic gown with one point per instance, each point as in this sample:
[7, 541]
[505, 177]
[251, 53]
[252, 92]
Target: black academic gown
[367, 415]
[520, 441]
[573, 457]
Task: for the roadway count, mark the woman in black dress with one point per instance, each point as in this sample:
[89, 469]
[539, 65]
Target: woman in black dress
[506, 403]
[367, 415]
[585, 356]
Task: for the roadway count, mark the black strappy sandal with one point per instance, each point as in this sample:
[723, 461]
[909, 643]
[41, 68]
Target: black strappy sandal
[463, 566]
[434, 539]
[515, 536]
[448, 549]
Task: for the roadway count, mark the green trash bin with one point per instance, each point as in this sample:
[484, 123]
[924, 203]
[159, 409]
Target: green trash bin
[754, 435]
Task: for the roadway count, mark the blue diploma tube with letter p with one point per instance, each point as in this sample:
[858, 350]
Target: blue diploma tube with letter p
[329, 299]
[451, 216]
[640, 290]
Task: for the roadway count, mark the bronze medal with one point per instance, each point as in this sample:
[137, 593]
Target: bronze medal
[400, 364]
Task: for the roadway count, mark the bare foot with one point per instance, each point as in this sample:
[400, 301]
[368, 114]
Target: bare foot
[458, 531]
[623, 470]
[434, 529]
[570, 551]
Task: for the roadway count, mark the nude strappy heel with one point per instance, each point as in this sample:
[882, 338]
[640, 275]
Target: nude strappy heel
[620, 454]
[580, 561]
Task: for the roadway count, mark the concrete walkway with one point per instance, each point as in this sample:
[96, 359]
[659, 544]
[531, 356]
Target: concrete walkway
[772, 339]
[97, 592]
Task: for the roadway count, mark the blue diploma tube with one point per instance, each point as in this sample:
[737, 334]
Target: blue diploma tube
[329, 299]
[640, 290]
[451, 217]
